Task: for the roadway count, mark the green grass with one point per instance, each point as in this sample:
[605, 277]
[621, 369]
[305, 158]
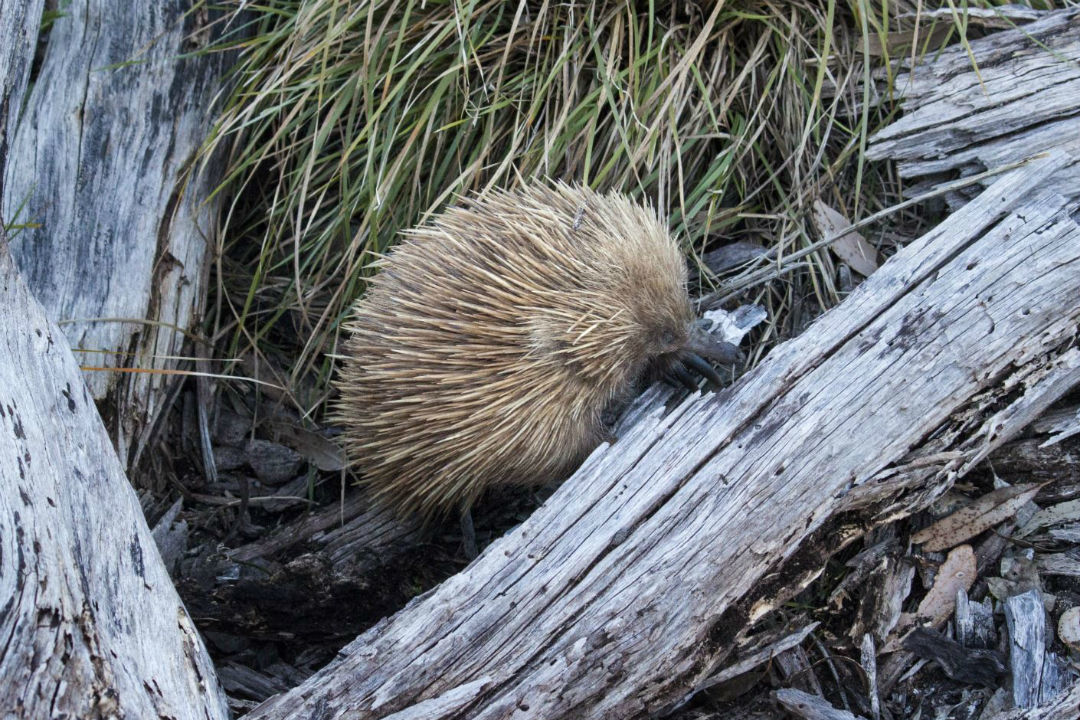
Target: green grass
[351, 121]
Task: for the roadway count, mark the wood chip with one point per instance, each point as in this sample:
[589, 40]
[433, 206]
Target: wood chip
[1067, 533]
[1064, 427]
[1058, 564]
[319, 450]
[1059, 514]
[797, 671]
[1026, 620]
[868, 660]
[975, 622]
[733, 255]
[966, 665]
[758, 657]
[171, 536]
[811, 707]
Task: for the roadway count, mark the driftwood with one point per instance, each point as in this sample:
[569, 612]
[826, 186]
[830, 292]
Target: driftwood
[92, 624]
[97, 166]
[626, 591]
[1021, 101]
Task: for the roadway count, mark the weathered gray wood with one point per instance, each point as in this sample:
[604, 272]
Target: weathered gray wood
[974, 622]
[1058, 676]
[965, 665]
[18, 37]
[1022, 102]
[868, 660]
[92, 626]
[1058, 564]
[882, 598]
[796, 669]
[624, 591]
[759, 656]
[811, 707]
[1065, 707]
[100, 158]
[1038, 459]
[1039, 677]
[171, 536]
[1064, 424]
[1026, 621]
[349, 530]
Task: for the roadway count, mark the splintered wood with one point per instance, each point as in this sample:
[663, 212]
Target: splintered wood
[1013, 96]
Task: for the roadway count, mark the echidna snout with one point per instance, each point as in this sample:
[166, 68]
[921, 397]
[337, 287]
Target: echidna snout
[492, 340]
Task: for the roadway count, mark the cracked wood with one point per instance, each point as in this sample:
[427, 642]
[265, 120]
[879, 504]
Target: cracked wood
[97, 164]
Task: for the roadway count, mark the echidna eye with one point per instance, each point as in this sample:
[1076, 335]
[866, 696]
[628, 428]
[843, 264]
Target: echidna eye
[667, 337]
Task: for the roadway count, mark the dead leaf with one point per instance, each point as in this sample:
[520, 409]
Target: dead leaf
[733, 255]
[956, 573]
[981, 515]
[322, 452]
[851, 248]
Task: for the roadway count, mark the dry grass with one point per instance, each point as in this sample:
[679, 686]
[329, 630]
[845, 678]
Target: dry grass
[353, 120]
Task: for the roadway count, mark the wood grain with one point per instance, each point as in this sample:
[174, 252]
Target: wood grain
[19, 23]
[98, 162]
[1021, 101]
[92, 626]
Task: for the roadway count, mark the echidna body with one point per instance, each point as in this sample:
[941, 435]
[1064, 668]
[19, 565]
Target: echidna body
[492, 340]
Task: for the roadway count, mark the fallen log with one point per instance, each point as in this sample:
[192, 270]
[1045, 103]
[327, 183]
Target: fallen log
[1012, 96]
[627, 589]
[92, 626]
[115, 232]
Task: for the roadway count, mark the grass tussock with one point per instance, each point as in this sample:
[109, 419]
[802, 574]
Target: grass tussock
[352, 120]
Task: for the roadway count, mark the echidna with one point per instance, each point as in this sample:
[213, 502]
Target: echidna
[492, 340]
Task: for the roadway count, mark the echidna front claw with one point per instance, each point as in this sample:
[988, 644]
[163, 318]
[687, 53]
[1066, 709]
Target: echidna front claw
[696, 362]
[678, 372]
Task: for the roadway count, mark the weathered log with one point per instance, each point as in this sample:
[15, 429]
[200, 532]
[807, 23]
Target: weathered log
[98, 165]
[18, 36]
[1022, 101]
[91, 622]
[629, 587]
